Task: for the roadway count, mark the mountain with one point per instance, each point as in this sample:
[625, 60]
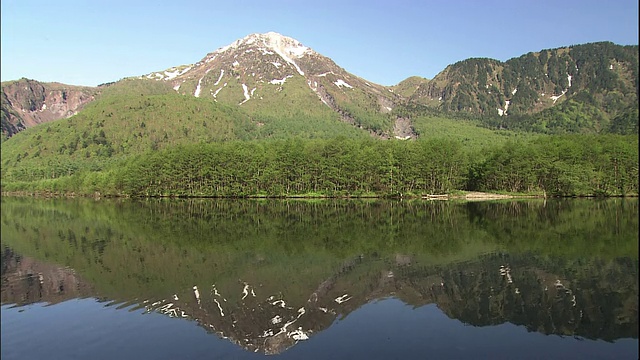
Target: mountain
[603, 77]
[284, 87]
[288, 89]
[27, 103]
[274, 76]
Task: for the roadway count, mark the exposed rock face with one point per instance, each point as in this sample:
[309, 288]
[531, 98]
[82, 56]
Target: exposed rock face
[27, 103]
[403, 129]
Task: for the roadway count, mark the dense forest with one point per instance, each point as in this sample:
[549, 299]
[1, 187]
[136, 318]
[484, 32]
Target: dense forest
[569, 165]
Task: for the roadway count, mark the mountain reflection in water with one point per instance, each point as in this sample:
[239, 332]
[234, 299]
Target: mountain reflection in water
[267, 275]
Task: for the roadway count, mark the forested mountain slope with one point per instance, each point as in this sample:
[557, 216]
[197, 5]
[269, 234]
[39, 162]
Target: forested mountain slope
[536, 80]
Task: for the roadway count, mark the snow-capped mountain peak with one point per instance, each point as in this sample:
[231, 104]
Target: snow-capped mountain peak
[260, 66]
[270, 41]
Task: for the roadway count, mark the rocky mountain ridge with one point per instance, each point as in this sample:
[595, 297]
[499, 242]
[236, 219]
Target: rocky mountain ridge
[26, 103]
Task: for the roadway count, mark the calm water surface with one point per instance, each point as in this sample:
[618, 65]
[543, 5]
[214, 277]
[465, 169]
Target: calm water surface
[235, 279]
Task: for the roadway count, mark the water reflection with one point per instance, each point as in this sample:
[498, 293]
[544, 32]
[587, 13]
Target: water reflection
[26, 280]
[268, 274]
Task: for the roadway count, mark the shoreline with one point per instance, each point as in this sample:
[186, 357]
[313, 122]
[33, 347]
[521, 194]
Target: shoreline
[464, 196]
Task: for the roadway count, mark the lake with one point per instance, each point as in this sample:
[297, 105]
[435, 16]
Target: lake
[319, 279]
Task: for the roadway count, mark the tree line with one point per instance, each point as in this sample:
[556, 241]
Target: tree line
[338, 167]
[566, 165]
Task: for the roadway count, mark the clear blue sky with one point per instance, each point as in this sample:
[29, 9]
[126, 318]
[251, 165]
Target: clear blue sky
[87, 42]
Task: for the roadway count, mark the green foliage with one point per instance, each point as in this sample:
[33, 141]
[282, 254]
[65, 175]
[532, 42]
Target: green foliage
[337, 167]
[561, 165]
[469, 132]
[572, 116]
[626, 123]
[436, 164]
[408, 87]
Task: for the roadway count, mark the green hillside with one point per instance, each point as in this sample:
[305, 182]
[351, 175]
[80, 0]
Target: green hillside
[136, 116]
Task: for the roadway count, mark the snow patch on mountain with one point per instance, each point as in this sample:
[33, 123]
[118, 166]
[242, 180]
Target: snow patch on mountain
[247, 95]
[556, 97]
[246, 92]
[289, 60]
[506, 107]
[280, 81]
[217, 91]
[169, 74]
[341, 83]
[233, 45]
[280, 43]
[271, 42]
[219, 306]
[314, 87]
[284, 46]
[173, 74]
[197, 92]
[196, 293]
[220, 78]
